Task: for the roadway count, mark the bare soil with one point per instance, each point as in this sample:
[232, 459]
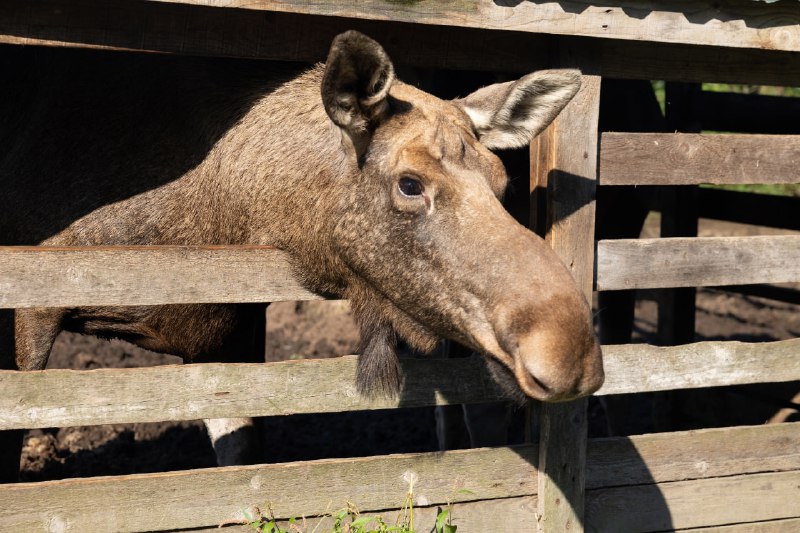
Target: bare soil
[326, 329]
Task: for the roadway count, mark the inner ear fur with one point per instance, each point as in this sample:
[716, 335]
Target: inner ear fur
[356, 83]
[509, 115]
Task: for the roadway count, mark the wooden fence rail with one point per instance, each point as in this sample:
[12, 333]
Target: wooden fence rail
[182, 28]
[694, 158]
[653, 470]
[57, 398]
[697, 262]
[737, 23]
[32, 276]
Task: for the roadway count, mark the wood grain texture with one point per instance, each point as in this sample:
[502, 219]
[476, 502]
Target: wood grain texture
[505, 515]
[201, 498]
[202, 30]
[687, 504]
[640, 367]
[186, 392]
[697, 262]
[144, 275]
[564, 161]
[205, 498]
[736, 23]
[789, 525]
[687, 455]
[694, 158]
[59, 398]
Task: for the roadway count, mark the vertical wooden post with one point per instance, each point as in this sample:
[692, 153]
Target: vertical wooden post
[564, 164]
[676, 307]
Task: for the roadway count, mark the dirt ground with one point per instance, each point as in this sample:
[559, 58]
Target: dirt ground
[326, 329]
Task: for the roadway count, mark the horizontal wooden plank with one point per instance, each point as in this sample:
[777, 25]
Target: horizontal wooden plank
[144, 275]
[503, 515]
[198, 498]
[789, 525]
[736, 23]
[58, 398]
[641, 367]
[186, 392]
[695, 158]
[687, 455]
[199, 30]
[687, 504]
[203, 498]
[697, 262]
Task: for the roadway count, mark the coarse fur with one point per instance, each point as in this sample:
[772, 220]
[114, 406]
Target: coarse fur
[380, 193]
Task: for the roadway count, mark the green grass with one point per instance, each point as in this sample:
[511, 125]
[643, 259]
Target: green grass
[348, 519]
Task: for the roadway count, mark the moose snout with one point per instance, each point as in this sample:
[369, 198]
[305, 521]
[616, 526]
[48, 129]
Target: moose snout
[557, 370]
[551, 351]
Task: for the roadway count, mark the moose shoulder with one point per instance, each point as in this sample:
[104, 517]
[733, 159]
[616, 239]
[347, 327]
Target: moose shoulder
[379, 192]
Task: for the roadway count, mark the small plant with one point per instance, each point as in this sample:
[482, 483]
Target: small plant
[349, 520]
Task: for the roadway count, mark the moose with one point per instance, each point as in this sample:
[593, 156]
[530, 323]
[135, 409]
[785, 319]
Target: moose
[379, 193]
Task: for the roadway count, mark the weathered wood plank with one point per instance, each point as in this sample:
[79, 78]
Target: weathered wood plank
[504, 515]
[737, 23]
[198, 498]
[687, 455]
[186, 392]
[640, 367]
[687, 504]
[694, 158]
[203, 498]
[143, 275]
[58, 398]
[199, 30]
[789, 525]
[697, 262]
[685, 158]
[203, 30]
[564, 162]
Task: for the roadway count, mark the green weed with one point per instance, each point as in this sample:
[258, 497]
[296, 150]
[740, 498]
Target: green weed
[348, 519]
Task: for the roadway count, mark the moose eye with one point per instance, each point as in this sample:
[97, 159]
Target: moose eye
[410, 186]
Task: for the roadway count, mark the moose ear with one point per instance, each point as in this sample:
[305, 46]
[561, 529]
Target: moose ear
[509, 115]
[358, 75]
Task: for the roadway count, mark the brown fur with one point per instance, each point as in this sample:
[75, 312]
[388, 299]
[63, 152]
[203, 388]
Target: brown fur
[158, 150]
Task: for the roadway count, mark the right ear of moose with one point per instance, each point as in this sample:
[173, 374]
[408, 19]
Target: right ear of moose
[358, 75]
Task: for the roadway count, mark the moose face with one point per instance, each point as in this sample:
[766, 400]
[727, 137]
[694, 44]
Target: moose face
[432, 251]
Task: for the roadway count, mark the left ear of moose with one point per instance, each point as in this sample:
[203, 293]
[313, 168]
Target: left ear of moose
[509, 115]
[358, 75]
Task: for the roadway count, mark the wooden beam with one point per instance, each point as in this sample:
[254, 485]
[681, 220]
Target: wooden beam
[693, 159]
[696, 262]
[203, 30]
[689, 504]
[506, 514]
[59, 398]
[789, 525]
[634, 368]
[564, 163]
[737, 23]
[186, 392]
[692, 455]
[32, 276]
[201, 498]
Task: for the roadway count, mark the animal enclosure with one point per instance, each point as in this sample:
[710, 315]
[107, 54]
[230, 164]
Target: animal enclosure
[733, 479]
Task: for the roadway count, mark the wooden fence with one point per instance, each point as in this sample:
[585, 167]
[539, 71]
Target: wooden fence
[732, 479]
